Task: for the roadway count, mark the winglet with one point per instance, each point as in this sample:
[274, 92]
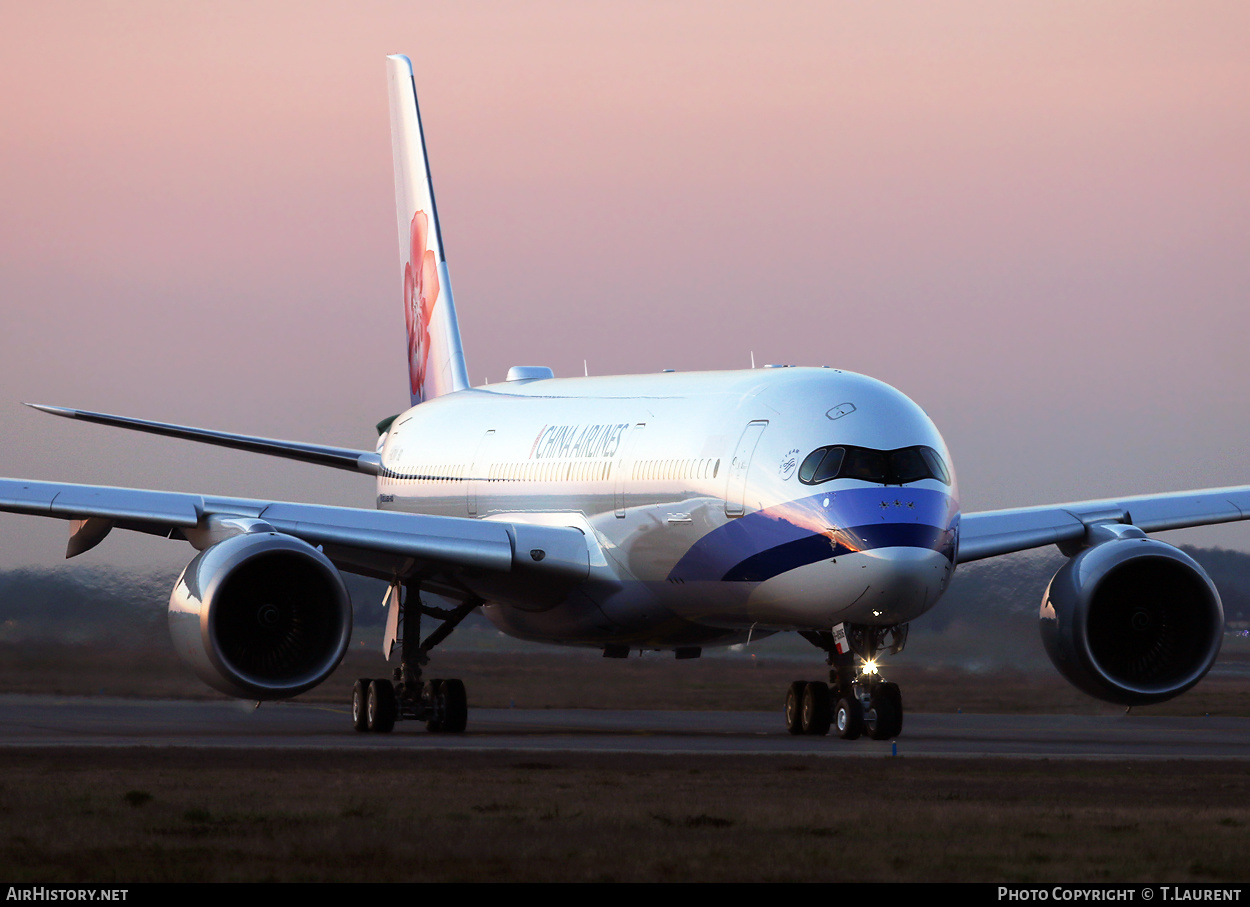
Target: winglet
[55, 410]
[435, 355]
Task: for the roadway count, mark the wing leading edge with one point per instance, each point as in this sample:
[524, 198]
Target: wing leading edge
[994, 532]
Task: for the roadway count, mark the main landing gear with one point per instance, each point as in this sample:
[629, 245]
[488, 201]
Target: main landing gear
[441, 704]
[856, 700]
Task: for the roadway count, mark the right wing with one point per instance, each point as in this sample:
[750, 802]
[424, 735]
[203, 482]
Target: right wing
[995, 532]
[321, 454]
[377, 543]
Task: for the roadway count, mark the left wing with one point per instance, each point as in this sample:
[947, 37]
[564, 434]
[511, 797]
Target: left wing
[371, 542]
[995, 532]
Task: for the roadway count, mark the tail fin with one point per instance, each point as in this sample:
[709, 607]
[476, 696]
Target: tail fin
[435, 356]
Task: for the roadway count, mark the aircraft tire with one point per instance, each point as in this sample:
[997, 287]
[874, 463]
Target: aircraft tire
[794, 707]
[455, 707]
[849, 718]
[816, 717]
[887, 704]
[892, 690]
[885, 716]
[432, 695]
[360, 704]
[382, 707]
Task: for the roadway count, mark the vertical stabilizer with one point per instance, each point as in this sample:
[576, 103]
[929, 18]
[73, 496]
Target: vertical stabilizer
[435, 356]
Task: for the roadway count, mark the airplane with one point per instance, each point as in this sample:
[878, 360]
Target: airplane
[670, 511]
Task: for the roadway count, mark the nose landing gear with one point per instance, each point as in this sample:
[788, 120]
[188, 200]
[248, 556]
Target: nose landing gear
[849, 718]
[856, 700]
[884, 718]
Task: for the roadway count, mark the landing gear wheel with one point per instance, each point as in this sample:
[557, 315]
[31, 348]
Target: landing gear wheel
[382, 708]
[448, 705]
[886, 717]
[432, 695]
[891, 690]
[360, 704]
[794, 707]
[849, 718]
[455, 707]
[816, 717]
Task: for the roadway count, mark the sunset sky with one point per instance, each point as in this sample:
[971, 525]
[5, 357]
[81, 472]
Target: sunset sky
[1033, 218]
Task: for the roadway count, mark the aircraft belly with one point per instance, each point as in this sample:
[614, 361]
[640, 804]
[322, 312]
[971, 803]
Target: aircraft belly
[628, 615]
[576, 618]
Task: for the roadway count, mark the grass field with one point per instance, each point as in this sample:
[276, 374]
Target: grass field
[191, 815]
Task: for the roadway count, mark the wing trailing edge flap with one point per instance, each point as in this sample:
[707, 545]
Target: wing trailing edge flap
[86, 534]
[81, 502]
[368, 541]
[996, 532]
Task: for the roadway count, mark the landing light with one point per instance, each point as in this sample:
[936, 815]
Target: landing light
[870, 667]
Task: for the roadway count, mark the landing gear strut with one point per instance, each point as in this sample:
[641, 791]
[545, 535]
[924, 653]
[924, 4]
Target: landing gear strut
[441, 704]
[856, 699]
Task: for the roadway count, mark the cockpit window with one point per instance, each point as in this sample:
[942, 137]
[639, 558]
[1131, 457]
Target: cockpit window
[908, 465]
[863, 463]
[884, 467]
[810, 462]
[936, 466]
[830, 465]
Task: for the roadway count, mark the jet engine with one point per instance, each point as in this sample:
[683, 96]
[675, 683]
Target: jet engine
[261, 616]
[1132, 621]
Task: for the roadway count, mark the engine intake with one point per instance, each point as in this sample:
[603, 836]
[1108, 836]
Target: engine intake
[261, 616]
[1132, 621]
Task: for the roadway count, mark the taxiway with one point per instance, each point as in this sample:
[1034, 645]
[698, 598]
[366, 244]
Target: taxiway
[52, 721]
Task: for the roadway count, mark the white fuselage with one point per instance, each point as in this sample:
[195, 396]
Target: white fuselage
[687, 489]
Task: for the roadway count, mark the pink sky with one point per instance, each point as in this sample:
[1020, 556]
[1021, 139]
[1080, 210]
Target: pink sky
[1031, 217]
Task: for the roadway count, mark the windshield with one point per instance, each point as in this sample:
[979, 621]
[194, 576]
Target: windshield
[884, 467]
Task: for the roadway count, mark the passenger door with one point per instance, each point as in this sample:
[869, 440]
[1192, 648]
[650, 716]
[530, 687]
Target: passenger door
[625, 466]
[735, 491]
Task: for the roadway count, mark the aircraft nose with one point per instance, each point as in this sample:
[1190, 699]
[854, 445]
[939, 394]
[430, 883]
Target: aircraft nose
[880, 586]
[901, 583]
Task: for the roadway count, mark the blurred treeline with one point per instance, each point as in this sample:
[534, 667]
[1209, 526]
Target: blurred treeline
[987, 617]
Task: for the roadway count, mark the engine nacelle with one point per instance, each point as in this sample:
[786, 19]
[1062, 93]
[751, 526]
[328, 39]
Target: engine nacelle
[1132, 621]
[261, 616]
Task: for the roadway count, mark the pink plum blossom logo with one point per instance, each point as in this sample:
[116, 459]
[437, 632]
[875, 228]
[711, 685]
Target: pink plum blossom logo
[420, 294]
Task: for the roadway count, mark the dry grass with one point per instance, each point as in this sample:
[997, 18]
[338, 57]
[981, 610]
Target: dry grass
[170, 815]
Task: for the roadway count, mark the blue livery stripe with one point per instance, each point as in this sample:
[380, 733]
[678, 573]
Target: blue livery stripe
[815, 548]
[818, 527]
